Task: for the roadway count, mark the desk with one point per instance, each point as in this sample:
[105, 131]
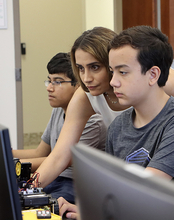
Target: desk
[31, 215]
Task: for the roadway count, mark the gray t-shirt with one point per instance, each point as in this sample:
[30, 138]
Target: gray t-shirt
[94, 133]
[151, 145]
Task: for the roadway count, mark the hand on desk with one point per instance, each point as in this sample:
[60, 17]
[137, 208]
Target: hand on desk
[70, 209]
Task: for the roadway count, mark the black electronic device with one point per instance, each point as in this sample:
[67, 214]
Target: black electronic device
[25, 171]
[108, 188]
[10, 207]
[35, 200]
[17, 164]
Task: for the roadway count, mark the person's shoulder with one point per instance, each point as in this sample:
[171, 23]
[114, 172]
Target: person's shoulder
[79, 106]
[96, 119]
[125, 115]
[79, 97]
[172, 98]
[80, 92]
[97, 125]
[170, 103]
[57, 114]
[57, 111]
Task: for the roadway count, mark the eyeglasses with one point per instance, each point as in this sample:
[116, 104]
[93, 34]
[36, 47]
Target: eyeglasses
[56, 83]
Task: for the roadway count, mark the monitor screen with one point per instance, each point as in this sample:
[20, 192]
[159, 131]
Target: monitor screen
[109, 189]
[10, 207]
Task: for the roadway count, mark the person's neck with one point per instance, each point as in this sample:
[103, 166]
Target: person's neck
[147, 111]
[64, 109]
[113, 101]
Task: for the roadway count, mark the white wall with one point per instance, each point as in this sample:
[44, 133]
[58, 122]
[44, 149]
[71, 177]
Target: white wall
[47, 27]
[7, 74]
[99, 13]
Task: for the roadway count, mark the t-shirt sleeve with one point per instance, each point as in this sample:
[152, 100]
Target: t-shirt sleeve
[46, 135]
[163, 158]
[94, 133]
[109, 146]
[54, 127]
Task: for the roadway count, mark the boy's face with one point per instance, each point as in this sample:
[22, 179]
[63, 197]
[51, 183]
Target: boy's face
[130, 86]
[59, 95]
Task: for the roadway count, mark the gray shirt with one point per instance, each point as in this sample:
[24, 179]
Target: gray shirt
[151, 145]
[94, 133]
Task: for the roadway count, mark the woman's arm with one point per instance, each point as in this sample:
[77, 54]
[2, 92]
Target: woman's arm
[35, 162]
[78, 112]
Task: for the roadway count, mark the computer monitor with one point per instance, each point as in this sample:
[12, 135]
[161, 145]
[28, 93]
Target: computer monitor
[109, 189]
[10, 207]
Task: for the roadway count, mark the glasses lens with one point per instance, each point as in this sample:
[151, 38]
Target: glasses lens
[46, 83]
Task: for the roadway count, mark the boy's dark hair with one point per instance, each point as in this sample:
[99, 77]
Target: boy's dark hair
[153, 48]
[61, 63]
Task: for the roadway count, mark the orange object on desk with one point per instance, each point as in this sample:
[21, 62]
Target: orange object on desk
[31, 215]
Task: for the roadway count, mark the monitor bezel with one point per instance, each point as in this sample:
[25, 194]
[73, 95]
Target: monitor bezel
[93, 169]
[11, 190]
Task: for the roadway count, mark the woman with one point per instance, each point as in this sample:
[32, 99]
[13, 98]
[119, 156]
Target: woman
[90, 63]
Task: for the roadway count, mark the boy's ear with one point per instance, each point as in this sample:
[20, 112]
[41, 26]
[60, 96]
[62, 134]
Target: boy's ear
[154, 74]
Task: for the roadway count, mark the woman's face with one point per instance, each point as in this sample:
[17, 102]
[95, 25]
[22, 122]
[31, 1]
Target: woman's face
[92, 73]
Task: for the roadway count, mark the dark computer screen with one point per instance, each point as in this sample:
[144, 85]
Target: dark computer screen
[109, 189]
[10, 207]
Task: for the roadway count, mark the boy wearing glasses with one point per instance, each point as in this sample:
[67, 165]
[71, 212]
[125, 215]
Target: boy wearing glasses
[61, 85]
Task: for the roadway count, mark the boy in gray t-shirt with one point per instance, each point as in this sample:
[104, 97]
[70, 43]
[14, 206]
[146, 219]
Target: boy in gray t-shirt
[140, 58]
[61, 85]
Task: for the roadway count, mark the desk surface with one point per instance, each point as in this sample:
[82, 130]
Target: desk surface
[31, 215]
